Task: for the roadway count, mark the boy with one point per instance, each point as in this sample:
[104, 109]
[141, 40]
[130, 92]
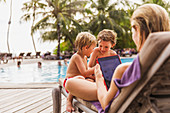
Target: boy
[106, 40]
[77, 68]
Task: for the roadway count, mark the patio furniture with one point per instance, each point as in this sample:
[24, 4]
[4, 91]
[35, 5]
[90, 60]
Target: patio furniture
[38, 54]
[28, 55]
[20, 56]
[151, 93]
[3, 58]
[67, 54]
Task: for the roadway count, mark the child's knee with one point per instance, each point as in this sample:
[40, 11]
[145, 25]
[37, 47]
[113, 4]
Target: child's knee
[79, 77]
[67, 85]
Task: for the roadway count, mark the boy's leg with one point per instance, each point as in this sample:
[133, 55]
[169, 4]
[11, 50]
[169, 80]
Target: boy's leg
[82, 88]
[69, 106]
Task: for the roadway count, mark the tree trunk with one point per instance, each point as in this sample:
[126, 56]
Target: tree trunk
[71, 42]
[9, 23]
[32, 28]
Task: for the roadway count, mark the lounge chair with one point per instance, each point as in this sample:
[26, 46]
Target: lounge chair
[151, 93]
[3, 58]
[38, 55]
[67, 54]
[9, 56]
[28, 55]
[20, 56]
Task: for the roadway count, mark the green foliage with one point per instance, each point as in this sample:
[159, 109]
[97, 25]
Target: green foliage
[64, 46]
[97, 15]
[3, 0]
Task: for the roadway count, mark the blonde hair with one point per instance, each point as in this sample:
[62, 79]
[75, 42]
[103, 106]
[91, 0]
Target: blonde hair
[107, 35]
[83, 39]
[150, 18]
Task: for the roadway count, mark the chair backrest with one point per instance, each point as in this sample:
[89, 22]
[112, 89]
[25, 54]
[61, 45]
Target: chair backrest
[21, 54]
[28, 54]
[151, 60]
[38, 54]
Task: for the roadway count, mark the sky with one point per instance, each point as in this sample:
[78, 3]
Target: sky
[19, 38]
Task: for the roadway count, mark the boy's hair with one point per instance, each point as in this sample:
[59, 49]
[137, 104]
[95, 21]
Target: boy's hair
[19, 63]
[107, 35]
[39, 63]
[83, 39]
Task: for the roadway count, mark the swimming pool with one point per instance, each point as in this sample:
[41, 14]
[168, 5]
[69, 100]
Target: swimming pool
[30, 73]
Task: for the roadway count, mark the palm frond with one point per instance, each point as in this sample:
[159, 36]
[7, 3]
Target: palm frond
[26, 17]
[42, 24]
[49, 35]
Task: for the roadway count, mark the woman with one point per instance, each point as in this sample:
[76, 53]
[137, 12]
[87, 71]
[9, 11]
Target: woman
[146, 19]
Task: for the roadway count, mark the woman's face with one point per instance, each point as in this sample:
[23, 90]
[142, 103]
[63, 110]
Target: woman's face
[135, 34]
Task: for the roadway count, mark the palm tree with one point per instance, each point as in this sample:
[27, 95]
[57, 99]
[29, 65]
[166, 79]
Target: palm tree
[9, 23]
[109, 16]
[59, 20]
[101, 19]
[33, 5]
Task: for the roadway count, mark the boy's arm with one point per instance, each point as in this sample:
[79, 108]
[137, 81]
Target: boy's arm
[93, 57]
[82, 67]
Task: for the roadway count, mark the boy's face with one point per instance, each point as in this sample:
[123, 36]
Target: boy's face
[90, 49]
[104, 46]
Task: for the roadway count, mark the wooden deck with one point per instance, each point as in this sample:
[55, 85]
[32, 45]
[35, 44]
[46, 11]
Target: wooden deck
[36, 98]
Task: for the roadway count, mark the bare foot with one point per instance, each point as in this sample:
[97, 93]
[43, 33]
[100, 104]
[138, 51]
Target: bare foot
[69, 107]
[98, 72]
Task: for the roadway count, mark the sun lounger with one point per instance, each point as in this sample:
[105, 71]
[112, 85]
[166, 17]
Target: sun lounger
[28, 55]
[37, 55]
[3, 58]
[20, 56]
[151, 93]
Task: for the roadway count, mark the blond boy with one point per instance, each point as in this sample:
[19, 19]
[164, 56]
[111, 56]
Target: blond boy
[77, 68]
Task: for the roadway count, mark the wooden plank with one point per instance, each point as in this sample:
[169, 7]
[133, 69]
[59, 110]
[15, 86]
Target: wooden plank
[23, 106]
[21, 100]
[14, 96]
[161, 92]
[41, 107]
[26, 98]
[34, 105]
[47, 110]
[7, 93]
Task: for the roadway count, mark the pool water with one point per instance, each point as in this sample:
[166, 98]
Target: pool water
[30, 73]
